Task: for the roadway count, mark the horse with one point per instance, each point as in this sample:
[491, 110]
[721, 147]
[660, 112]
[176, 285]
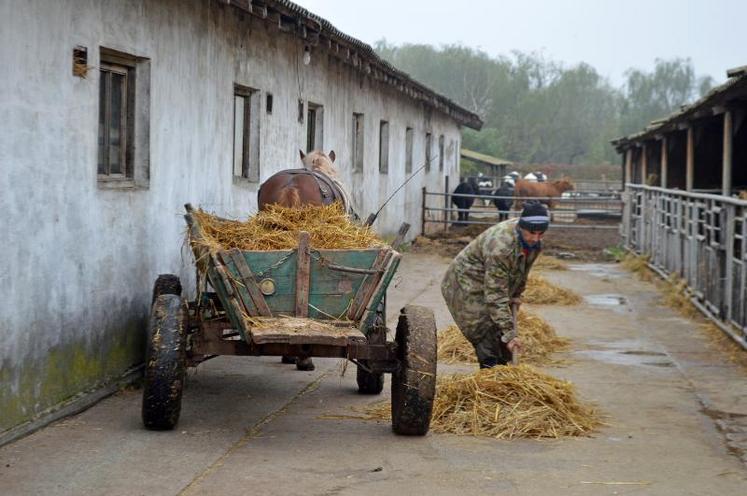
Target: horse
[503, 204]
[469, 187]
[540, 190]
[315, 183]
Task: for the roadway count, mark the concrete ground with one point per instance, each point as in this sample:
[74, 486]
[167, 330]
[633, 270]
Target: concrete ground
[676, 412]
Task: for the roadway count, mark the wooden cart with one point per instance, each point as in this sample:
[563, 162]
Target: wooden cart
[303, 303]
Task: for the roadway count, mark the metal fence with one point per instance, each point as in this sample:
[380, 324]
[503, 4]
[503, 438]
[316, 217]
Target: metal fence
[602, 211]
[700, 238]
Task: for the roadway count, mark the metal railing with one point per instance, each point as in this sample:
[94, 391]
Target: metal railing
[700, 238]
[576, 212]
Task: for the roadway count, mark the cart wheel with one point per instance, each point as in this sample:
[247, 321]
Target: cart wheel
[414, 383]
[166, 284]
[373, 382]
[165, 363]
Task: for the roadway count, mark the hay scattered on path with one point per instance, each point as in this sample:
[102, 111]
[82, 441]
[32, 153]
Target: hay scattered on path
[505, 403]
[638, 264]
[539, 338]
[539, 291]
[548, 262]
[277, 228]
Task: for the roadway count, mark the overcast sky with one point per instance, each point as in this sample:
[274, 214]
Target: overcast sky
[611, 35]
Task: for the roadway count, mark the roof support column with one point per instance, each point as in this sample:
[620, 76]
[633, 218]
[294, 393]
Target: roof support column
[727, 163]
[690, 171]
[644, 164]
[628, 167]
[664, 162]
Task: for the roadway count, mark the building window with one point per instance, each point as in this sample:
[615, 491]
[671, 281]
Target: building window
[428, 151]
[441, 152]
[384, 147]
[123, 135]
[357, 147]
[408, 150]
[268, 104]
[314, 127]
[246, 133]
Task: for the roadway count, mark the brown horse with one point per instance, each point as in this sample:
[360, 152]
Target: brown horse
[553, 189]
[314, 184]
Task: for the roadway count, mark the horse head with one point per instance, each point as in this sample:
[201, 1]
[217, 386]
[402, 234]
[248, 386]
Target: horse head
[319, 161]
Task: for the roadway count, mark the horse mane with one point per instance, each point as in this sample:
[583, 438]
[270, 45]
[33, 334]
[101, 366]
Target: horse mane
[318, 161]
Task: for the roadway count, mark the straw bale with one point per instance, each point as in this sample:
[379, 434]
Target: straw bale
[277, 228]
[541, 292]
[539, 338]
[505, 402]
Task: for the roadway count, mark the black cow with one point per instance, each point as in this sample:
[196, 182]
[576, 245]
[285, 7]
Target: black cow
[503, 204]
[468, 187]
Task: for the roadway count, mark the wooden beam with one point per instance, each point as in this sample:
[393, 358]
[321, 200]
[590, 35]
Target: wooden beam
[247, 279]
[644, 164]
[727, 159]
[628, 166]
[303, 272]
[690, 161]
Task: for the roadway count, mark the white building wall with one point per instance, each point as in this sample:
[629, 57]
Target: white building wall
[79, 260]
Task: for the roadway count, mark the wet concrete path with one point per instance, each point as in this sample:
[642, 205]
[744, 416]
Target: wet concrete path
[675, 412]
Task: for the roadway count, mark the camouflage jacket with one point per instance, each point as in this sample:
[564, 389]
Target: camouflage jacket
[494, 268]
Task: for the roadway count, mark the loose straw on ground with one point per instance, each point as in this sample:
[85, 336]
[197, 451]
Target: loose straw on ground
[539, 338]
[547, 262]
[505, 402]
[541, 292]
[277, 228]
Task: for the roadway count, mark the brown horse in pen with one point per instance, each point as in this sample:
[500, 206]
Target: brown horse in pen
[315, 183]
[551, 189]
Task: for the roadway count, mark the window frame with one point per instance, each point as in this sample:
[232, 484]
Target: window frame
[358, 142]
[135, 121]
[248, 170]
[383, 147]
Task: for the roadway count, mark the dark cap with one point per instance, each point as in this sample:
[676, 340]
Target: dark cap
[534, 217]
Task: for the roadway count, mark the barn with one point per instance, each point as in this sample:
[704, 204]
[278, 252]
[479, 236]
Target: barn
[116, 113]
[686, 200]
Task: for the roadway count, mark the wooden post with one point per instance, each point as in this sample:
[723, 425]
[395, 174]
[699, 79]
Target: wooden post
[446, 204]
[644, 164]
[727, 163]
[628, 167]
[690, 164]
[303, 271]
[422, 212]
[664, 162]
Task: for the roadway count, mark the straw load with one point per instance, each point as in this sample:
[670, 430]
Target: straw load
[539, 291]
[539, 338]
[505, 402]
[277, 228]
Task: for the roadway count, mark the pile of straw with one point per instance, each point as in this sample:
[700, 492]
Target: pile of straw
[505, 403]
[539, 338]
[638, 264]
[547, 262]
[541, 292]
[277, 228]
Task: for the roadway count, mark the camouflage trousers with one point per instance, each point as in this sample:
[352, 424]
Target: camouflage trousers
[470, 313]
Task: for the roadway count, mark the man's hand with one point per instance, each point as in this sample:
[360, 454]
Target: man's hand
[515, 345]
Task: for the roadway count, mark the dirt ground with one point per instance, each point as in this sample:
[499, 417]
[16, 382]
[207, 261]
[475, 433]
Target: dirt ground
[675, 411]
[586, 244]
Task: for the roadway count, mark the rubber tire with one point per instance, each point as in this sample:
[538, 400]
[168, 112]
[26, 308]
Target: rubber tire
[165, 363]
[373, 382]
[166, 284]
[414, 383]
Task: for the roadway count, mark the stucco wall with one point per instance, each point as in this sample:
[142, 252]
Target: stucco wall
[79, 260]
